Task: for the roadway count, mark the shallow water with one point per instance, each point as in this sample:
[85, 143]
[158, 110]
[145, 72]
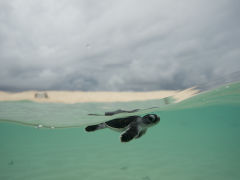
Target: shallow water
[201, 142]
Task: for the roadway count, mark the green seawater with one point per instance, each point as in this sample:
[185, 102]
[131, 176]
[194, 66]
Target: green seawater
[196, 139]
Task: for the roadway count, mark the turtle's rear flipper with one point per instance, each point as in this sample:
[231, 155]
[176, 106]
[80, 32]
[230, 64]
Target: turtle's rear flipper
[129, 134]
[95, 127]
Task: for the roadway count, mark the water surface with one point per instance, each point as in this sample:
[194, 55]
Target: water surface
[198, 139]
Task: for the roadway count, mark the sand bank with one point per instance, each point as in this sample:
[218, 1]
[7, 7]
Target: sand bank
[80, 96]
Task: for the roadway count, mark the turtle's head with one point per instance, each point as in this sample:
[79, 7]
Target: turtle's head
[150, 119]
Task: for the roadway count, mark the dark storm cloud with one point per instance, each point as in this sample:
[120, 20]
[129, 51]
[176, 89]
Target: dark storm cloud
[123, 45]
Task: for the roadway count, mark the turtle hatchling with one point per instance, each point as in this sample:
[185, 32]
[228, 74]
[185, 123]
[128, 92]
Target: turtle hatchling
[131, 126]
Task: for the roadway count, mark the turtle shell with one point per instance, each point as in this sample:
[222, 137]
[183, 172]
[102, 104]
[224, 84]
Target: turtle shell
[121, 122]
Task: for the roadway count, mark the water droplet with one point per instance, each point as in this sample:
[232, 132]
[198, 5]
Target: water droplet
[88, 46]
[39, 126]
[146, 178]
[124, 168]
[11, 162]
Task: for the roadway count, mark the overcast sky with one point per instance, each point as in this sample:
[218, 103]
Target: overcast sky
[135, 45]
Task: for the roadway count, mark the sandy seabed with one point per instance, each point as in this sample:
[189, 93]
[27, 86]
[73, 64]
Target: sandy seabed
[102, 96]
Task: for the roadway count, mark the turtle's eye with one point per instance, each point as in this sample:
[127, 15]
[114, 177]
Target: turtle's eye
[150, 118]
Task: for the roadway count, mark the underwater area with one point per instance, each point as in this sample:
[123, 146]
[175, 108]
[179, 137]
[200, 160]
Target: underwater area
[196, 139]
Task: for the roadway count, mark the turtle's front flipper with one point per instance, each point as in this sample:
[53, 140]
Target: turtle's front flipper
[95, 127]
[130, 133]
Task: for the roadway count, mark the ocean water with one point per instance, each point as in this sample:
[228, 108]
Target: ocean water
[196, 139]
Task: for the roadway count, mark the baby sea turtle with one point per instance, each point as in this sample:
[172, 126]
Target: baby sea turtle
[131, 126]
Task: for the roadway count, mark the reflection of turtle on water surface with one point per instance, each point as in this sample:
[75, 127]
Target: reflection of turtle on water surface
[131, 126]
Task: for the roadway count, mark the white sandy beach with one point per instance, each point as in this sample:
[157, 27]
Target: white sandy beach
[80, 96]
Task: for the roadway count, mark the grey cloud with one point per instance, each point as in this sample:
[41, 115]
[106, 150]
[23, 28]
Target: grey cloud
[124, 45]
